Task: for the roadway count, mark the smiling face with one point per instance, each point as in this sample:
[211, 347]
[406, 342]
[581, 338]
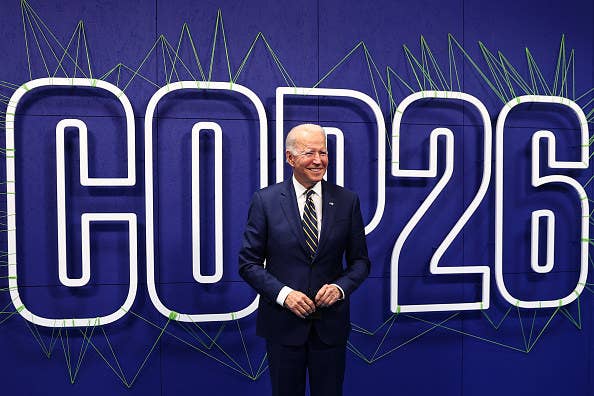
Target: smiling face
[307, 154]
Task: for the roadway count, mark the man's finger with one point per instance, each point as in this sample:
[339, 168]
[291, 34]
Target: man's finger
[320, 294]
[324, 299]
[309, 303]
[299, 304]
[303, 307]
[329, 297]
[296, 312]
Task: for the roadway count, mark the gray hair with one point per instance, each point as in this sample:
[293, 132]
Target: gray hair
[291, 136]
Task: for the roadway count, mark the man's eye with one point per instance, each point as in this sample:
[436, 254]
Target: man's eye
[311, 154]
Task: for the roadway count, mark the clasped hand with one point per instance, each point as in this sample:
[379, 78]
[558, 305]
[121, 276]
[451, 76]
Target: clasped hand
[302, 306]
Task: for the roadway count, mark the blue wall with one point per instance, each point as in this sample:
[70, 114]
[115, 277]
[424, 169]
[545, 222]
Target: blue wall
[500, 350]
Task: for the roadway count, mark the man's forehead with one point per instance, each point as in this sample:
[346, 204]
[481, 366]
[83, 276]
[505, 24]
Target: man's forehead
[312, 144]
[310, 136]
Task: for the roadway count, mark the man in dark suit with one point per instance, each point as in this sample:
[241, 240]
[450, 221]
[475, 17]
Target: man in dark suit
[297, 234]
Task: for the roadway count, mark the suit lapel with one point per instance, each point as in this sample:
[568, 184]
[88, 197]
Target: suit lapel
[291, 211]
[328, 212]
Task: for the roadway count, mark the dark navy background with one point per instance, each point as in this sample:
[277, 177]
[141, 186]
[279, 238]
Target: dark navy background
[468, 355]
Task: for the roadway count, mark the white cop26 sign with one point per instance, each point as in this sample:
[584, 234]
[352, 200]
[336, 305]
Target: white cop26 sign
[435, 268]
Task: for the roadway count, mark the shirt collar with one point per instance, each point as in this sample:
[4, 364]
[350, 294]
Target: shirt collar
[300, 190]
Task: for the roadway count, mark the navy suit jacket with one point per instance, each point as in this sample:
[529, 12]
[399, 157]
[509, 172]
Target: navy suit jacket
[274, 254]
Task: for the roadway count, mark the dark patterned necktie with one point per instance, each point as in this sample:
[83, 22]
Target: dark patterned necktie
[310, 223]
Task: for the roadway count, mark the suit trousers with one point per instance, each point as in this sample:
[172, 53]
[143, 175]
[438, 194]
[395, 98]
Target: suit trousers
[324, 364]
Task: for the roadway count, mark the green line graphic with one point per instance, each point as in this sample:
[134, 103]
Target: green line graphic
[181, 61]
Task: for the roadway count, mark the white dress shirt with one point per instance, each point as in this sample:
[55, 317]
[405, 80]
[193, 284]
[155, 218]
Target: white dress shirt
[300, 193]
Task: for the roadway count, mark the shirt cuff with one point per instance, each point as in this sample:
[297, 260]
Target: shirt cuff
[282, 295]
[340, 289]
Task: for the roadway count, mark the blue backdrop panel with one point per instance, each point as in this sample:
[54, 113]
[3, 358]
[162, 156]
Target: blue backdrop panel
[386, 50]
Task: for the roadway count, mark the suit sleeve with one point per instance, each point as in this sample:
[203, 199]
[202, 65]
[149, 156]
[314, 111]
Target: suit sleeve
[357, 260]
[252, 254]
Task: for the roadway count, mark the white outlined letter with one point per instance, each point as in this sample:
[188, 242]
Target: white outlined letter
[281, 92]
[431, 173]
[86, 218]
[537, 181]
[150, 232]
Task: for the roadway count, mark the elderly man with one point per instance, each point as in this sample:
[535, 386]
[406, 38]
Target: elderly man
[298, 232]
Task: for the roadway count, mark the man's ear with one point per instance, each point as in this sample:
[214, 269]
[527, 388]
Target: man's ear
[290, 158]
